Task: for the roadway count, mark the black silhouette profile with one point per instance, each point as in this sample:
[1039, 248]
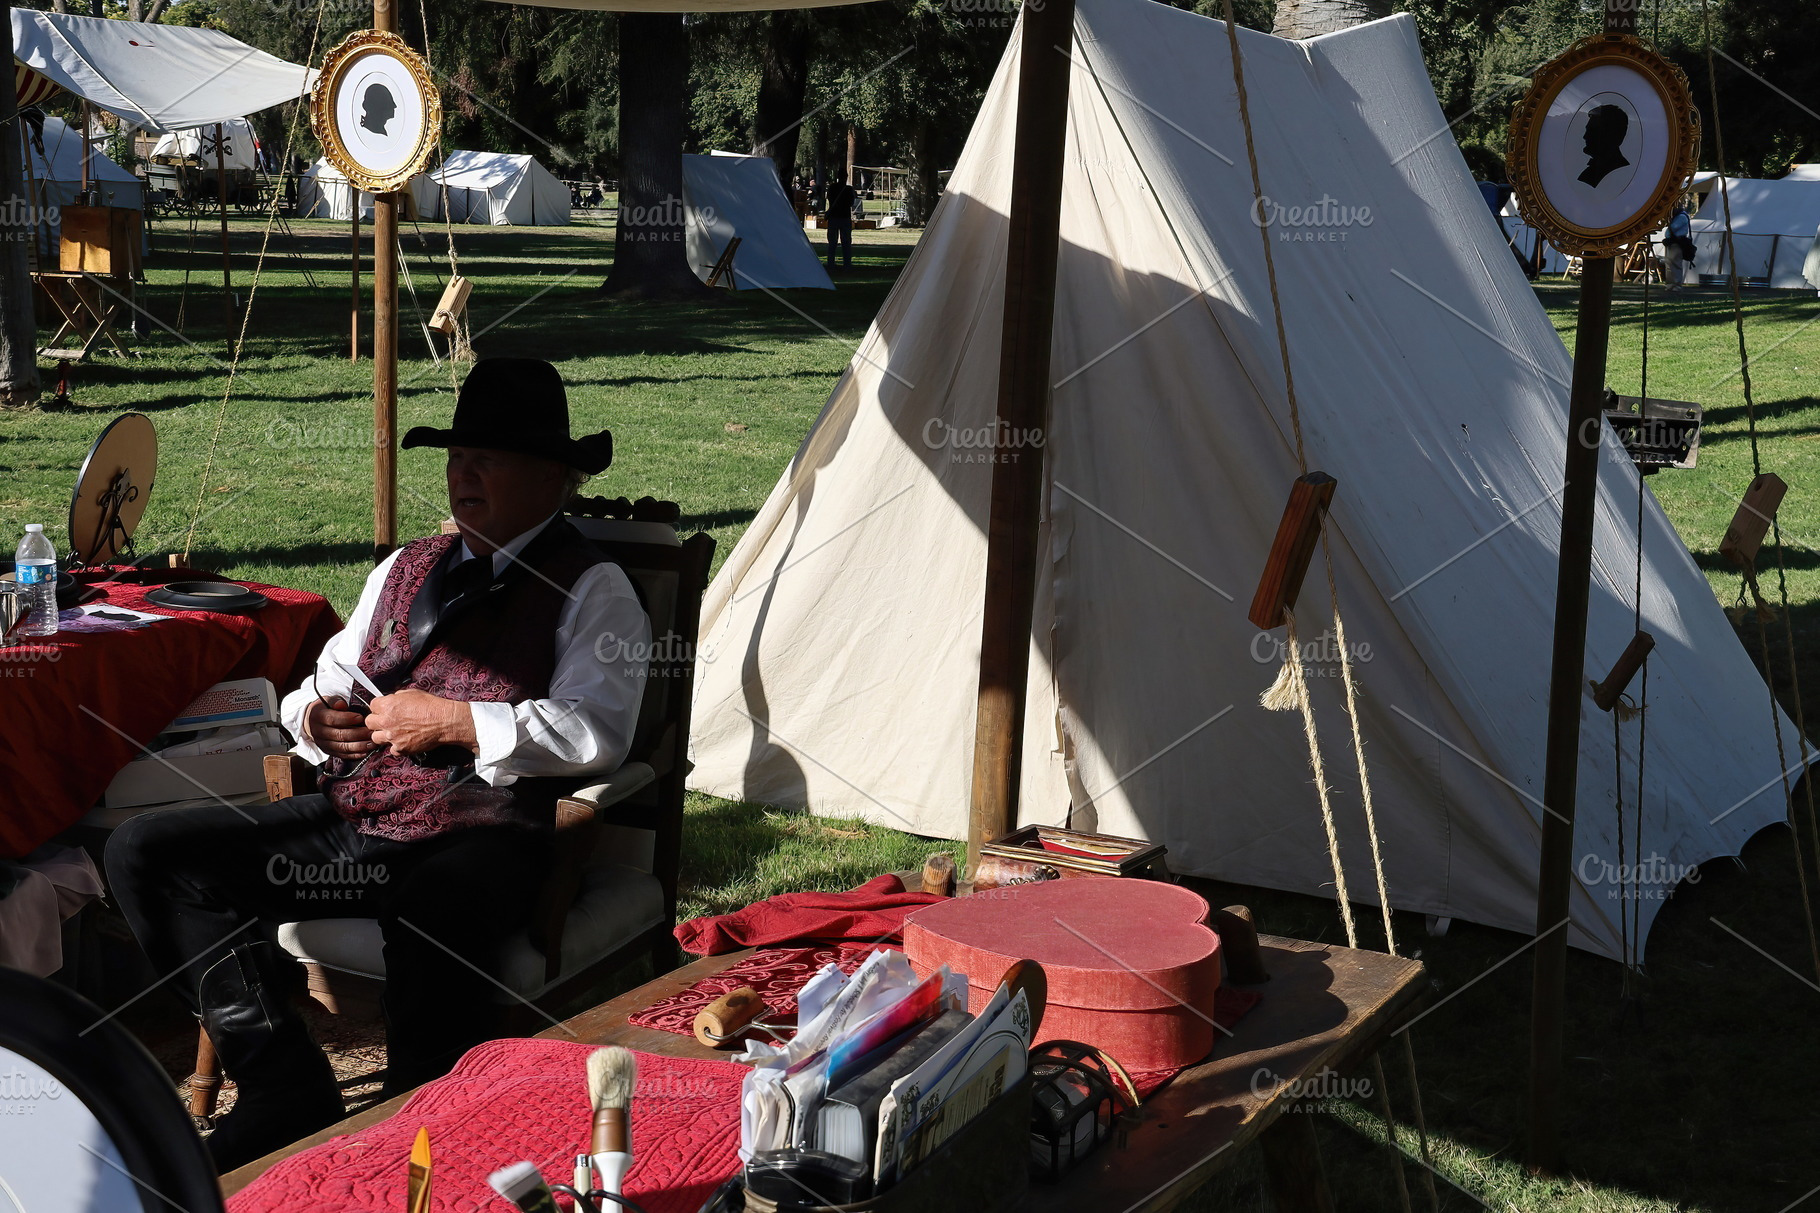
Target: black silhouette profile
[378, 108]
[1606, 127]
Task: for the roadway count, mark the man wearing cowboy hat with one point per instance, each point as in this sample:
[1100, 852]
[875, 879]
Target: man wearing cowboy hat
[437, 794]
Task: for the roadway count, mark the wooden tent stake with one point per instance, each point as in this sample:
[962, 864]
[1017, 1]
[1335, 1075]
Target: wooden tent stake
[1297, 534]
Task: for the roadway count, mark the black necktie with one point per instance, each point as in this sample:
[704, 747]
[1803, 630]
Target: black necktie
[469, 577]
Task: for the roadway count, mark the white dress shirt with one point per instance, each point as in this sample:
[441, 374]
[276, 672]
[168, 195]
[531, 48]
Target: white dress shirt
[585, 726]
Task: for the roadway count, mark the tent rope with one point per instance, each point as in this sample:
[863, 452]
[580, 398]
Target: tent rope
[1750, 573]
[1299, 682]
[246, 316]
[461, 340]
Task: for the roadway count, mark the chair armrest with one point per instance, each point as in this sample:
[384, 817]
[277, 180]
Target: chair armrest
[288, 775]
[614, 788]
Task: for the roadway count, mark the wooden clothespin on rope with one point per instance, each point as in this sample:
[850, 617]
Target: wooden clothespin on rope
[1749, 526]
[1297, 534]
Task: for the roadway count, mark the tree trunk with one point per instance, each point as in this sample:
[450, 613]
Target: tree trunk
[1309, 18]
[924, 184]
[18, 326]
[650, 257]
[783, 81]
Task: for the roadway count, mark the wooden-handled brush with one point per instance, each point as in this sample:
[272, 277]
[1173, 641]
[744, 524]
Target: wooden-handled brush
[612, 1077]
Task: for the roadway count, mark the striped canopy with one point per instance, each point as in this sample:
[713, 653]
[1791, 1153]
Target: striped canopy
[31, 86]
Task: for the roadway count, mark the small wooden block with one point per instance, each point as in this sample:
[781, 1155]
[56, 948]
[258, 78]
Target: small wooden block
[1751, 523]
[1297, 534]
[449, 308]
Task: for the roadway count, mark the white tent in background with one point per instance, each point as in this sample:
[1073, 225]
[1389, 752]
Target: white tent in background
[728, 195]
[157, 77]
[324, 193]
[1802, 172]
[56, 178]
[500, 189]
[1773, 225]
[239, 148]
[841, 639]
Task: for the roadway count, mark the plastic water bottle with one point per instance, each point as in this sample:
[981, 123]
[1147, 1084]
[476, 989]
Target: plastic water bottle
[36, 569]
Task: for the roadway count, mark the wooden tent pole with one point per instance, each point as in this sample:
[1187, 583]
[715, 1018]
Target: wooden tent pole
[385, 347]
[227, 271]
[1567, 691]
[1023, 417]
[85, 176]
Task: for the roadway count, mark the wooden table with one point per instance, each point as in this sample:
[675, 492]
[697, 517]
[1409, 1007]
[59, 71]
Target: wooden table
[1325, 1007]
[91, 305]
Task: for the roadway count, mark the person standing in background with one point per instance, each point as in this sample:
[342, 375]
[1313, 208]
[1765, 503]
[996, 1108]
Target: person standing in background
[841, 198]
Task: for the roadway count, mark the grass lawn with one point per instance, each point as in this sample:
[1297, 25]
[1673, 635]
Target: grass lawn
[1691, 1096]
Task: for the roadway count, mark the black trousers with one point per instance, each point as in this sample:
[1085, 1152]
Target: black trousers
[840, 238]
[195, 883]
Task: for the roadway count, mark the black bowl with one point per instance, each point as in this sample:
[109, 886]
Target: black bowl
[67, 590]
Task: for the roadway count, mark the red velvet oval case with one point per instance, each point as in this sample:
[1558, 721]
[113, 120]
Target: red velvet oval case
[1132, 966]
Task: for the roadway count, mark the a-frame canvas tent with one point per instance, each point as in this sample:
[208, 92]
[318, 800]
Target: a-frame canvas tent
[727, 195]
[500, 189]
[840, 641]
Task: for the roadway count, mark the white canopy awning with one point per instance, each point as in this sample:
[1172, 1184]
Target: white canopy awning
[159, 77]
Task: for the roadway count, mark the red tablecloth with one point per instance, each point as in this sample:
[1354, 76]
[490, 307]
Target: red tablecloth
[508, 1100]
[56, 758]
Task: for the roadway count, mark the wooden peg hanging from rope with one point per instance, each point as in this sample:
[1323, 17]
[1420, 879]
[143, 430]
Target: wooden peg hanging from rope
[1607, 694]
[1293, 548]
[1752, 521]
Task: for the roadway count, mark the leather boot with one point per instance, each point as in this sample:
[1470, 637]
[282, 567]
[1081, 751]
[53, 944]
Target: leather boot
[287, 1089]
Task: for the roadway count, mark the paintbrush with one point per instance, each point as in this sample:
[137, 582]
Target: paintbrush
[524, 1187]
[417, 1187]
[612, 1075]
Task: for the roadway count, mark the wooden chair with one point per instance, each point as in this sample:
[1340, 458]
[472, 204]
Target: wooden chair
[610, 896]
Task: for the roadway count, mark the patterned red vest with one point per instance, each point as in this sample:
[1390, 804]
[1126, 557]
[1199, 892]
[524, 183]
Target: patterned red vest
[496, 645]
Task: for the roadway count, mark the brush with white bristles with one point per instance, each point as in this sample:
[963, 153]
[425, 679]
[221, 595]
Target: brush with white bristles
[612, 1076]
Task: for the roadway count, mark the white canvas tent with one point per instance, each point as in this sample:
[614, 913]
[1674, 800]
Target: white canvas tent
[1773, 225]
[325, 193]
[56, 178]
[728, 195]
[500, 189]
[840, 641]
[157, 77]
[239, 147]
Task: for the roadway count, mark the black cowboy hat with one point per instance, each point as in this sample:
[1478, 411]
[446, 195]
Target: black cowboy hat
[517, 404]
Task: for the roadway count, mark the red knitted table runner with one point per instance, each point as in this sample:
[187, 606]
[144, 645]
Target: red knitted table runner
[778, 974]
[521, 1099]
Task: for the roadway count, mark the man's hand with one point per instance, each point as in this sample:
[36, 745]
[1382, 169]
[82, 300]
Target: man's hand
[414, 721]
[339, 732]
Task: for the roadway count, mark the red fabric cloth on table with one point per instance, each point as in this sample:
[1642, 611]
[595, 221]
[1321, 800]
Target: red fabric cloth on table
[508, 1100]
[874, 912]
[776, 975]
[59, 758]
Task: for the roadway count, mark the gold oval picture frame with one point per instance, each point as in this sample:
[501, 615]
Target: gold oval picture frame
[375, 110]
[1602, 144]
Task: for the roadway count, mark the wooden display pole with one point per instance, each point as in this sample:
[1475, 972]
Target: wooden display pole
[385, 347]
[1567, 690]
[1023, 410]
[354, 281]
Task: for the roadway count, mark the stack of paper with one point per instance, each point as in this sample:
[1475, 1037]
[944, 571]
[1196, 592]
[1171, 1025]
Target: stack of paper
[884, 1068]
